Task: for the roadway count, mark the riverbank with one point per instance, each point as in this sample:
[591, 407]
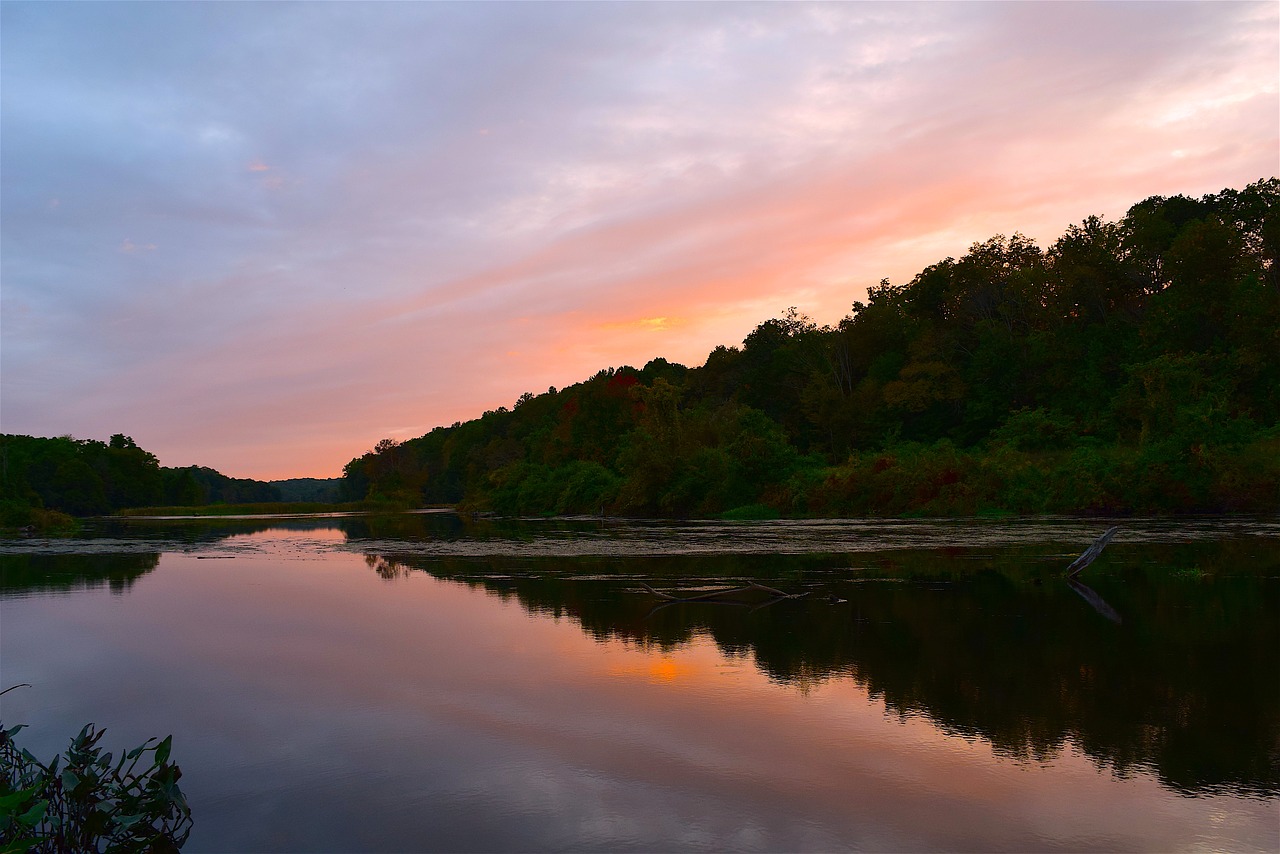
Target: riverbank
[275, 508]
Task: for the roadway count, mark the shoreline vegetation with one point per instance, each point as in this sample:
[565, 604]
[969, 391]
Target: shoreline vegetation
[83, 801]
[1128, 368]
[281, 508]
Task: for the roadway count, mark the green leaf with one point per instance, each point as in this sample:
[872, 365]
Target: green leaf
[90, 800]
[10, 802]
[162, 750]
[35, 815]
[18, 846]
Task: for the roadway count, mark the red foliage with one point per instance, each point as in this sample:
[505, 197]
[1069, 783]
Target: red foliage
[619, 383]
[883, 463]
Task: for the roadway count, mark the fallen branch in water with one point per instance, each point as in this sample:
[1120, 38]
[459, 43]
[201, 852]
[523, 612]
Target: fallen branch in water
[1091, 553]
[718, 597]
[719, 594]
[714, 594]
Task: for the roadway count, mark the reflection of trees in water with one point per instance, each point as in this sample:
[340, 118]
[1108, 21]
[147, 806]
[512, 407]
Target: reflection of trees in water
[385, 567]
[65, 573]
[202, 531]
[406, 526]
[998, 648]
[449, 526]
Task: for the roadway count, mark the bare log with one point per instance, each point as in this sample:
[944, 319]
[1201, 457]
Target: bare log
[728, 591]
[1091, 553]
[775, 591]
[659, 593]
[714, 594]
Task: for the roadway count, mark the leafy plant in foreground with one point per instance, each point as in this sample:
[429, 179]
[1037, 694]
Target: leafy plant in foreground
[87, 803]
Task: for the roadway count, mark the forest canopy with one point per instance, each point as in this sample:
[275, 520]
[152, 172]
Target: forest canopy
[1131, 366]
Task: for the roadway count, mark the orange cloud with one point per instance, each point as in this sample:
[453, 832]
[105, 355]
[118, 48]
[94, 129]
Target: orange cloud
[647, 324]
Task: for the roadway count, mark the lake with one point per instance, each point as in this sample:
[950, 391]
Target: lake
[426, 681]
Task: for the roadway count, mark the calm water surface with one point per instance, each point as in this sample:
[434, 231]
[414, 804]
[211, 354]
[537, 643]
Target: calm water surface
[426, 682]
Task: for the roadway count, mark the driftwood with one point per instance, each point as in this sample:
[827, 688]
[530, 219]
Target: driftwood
[1091, 553]
[715, 594]
[719, 594]
[718, 597]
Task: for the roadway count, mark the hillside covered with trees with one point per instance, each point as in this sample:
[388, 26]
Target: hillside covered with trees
[1132, 366]
[86, 477]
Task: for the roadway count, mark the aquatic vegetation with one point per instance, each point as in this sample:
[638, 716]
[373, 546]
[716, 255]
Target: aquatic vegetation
[87, 802]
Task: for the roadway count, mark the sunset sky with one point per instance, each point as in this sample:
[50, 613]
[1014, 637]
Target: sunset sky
[263, 236]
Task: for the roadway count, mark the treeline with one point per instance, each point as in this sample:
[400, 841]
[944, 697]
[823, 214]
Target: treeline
[1132, 366]
[307, 489]
[86, 477]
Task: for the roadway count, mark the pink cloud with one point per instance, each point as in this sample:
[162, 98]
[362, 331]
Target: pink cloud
[655, 190]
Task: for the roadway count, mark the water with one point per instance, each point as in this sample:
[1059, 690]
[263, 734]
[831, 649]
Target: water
[428, 682]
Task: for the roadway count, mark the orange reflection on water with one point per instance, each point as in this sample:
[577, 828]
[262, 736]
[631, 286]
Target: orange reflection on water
[523, 731]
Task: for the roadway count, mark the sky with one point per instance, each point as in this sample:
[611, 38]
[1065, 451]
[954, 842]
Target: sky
[262, 236]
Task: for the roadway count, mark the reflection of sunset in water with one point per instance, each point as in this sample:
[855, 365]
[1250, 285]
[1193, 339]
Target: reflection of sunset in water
[665, 668]
[285, 535]
[318, 696]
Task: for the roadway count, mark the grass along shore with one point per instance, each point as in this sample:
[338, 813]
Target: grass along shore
[273, 508]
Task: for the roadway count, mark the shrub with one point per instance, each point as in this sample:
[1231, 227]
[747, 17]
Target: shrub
[1034, 430]
[91, 804]
[749, 513]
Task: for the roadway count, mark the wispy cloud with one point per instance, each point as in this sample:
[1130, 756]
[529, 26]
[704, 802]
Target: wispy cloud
[364, 209]
[128, 247]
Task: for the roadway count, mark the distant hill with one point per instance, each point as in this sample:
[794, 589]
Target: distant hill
[307, 488]
[217, 488]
